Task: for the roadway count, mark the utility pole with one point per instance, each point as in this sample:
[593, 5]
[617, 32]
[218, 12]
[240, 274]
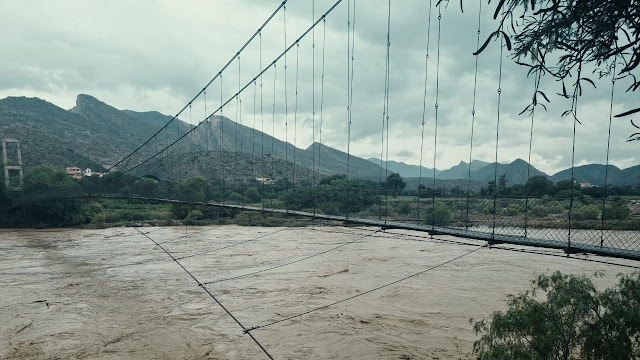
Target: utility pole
[12, 167]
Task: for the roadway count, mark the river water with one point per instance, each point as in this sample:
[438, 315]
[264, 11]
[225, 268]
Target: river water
[114, 294]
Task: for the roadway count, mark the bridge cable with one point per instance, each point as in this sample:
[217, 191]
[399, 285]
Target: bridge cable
[386, 165]
[193, 162]
[350, 87]
[208, 292]
[253, 136]
[313, 101]
[385, 117]
[495, 168]
[606, 168]
[537, 80]
[286, 104]
[262, 126]
[295, 114]
[239, 96]
[206, 86]
[324, 38]
[291, 262]
[221, 127]
[237, 120]
[208, 121]
[573, 151]
[435, 127]
[366, 292]
[273, 123]
[473, 114]
[424, 105]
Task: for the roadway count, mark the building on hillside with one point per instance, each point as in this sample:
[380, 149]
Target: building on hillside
[74, 172]
[264, 180]
[585, 185]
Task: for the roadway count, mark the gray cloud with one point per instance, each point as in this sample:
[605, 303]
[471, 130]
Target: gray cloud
[154, 55]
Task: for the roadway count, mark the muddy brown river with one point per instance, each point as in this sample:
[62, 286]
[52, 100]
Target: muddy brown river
[114, 294]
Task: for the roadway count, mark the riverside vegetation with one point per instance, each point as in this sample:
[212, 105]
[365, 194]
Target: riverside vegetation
[544, 203]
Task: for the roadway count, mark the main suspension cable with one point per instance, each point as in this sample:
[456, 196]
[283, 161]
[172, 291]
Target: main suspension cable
[205, 87]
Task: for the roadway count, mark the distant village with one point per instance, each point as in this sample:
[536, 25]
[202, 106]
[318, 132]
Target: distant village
[77, 173]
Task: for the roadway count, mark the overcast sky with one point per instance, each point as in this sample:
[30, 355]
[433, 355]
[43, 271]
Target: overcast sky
[156, 55]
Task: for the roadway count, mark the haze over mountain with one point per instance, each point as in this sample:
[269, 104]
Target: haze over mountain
[96, 135]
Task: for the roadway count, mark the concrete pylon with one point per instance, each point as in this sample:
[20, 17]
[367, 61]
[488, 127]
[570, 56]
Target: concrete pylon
[7, 167]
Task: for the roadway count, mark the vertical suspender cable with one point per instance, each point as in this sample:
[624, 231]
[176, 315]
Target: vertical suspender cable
[573, 153]
[435, 130]
[193, 162]
[208, 125]
[273, 121]
[495, 168]
[253, 131]
[473, 115]
[286, 101]
[424, 105]
[222, 137]
[526, 189]
[295, 114]
[262, 125]
[313, 99]
[235, 145]
[324, 37]
[350, 71]
[386, 167]
[606, 168]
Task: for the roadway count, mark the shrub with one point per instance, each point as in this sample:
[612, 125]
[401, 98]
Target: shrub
[193, 217]
[571, 320]
[440, 216]
[587, 212]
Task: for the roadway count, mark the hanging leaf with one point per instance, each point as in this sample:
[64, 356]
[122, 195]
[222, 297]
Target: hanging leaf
[589, 81]
[545, 108]
[567, 112]
[525, 109]
[500, 4]
[461, 9]
[506, 40]
[626, 113]
[544, 96]
[634, 125]
[523, 64]
[486, 43]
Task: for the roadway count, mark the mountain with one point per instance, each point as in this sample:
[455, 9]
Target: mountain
[96, 135]
[515, 172]
[595, 174]
[404, 169]
[461, 171]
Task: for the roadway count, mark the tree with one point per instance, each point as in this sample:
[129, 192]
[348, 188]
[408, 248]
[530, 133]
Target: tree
[571, 320]
[537, 185]
[561, 38]
[395, 182]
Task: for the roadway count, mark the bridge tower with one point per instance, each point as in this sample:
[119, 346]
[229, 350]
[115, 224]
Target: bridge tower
[12, 167]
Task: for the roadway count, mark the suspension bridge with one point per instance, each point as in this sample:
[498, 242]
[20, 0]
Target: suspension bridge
[208, 149]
